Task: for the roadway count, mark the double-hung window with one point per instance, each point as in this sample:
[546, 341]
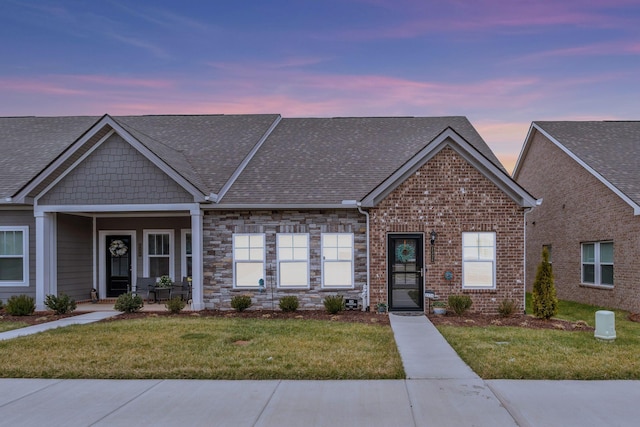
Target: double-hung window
[293, 260]
[158, 253]
[248, 259]
[478, 260]
[14, 256]
[597, 263]
[337, 260]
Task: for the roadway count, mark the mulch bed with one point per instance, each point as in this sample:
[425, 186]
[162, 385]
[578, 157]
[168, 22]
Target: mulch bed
[468, 319]
[522, 321]
[344, 316]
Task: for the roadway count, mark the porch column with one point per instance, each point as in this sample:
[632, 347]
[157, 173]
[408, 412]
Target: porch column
[197, 296]
[45, 257]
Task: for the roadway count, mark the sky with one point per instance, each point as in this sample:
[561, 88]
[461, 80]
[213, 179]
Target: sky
[500, 63]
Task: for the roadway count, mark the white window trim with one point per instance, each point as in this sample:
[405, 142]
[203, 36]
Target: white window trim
[145, 252]
[25, 255]
[597, 265]
[324, 262]
[493, 261]
[306, 261]
[183, 250]
[236, 262]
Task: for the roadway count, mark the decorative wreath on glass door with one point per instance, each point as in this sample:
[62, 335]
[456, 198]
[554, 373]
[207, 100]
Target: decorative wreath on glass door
[405, 253]
[118, 248]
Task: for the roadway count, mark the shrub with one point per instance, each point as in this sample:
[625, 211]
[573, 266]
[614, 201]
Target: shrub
[175, 304]
[1, 304]
[506, 308]
[241, 302]
[60, 304]
[459, 303]
[334, 304]
[20, 305]
[544, 300]
[289, 304]
[128, 303]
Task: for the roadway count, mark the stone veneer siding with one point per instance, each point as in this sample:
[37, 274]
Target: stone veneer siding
[450, 196]
[578, 208]
[218, 230]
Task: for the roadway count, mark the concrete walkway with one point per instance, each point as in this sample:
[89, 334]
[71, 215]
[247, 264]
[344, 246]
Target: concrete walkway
[80, 319]
[441, 390]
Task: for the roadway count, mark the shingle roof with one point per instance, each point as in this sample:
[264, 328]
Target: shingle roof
[316, 160]
[29, 144]
[611, 148]
[302, 161]
[205, 149]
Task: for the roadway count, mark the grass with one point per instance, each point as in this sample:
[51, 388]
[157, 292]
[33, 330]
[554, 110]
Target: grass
[8, 326]
[206, 348]
[519, 353]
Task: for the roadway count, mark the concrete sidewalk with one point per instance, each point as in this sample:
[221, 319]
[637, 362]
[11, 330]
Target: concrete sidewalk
[441, 391]
[80, 319]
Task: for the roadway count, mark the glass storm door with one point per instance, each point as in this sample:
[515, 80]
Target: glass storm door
[405, 261]
[118, 264]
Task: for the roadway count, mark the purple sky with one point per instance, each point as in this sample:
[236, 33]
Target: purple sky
[501, 63]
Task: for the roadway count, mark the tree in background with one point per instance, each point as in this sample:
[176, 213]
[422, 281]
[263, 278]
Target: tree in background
[545, 302]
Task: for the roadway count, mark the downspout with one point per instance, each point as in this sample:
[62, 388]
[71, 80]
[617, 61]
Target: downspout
[524, 262]
[365, 290]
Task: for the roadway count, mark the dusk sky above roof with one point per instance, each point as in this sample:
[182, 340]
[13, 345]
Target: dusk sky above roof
[501, 63]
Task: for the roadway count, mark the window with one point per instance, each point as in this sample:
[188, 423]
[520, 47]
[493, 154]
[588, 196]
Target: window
[14, 256]
[597, 263]
[337, 260]
[186, 254]
[158, 253]
[248, 259]
[478, 260]
[293, 260]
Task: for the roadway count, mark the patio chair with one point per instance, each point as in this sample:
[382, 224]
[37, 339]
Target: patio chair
[146, 285]
[182, 289]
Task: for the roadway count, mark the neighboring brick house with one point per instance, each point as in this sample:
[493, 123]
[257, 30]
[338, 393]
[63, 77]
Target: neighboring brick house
[310, 207]
[588, 177]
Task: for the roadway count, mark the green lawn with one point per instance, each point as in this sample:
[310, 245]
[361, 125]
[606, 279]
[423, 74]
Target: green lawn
[206, 348]
[519, 353]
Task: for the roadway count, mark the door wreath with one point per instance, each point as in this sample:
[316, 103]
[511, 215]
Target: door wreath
[405, 252]
[118, 248]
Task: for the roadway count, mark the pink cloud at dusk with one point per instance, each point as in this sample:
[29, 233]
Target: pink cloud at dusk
[425, 17]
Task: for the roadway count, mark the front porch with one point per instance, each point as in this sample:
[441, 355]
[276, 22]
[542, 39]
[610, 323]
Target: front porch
[107, 305]
[110, 251]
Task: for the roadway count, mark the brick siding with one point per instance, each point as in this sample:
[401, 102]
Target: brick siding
[450, 196]
[578, 208]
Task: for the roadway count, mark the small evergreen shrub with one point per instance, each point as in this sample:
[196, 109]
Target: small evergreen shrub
[289, 304]
[175, 304]
[241, 302]
[544, 300]
[506, 308]
[459, 303]
[62, 304]
[20, 305]
[334, 304]
[128, 303]
[1, 304]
